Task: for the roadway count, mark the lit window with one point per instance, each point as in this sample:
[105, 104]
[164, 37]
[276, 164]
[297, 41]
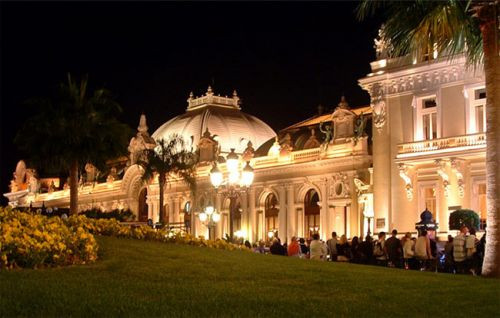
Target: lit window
[477, 110]
[427, 117]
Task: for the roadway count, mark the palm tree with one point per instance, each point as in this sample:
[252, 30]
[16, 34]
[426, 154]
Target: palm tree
[454, 27]
[169, 160]
[72, 129]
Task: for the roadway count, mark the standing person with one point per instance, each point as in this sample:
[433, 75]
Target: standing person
[379, 250]
[366, 250]
[294, 248]
[408, 251]
[449, 266]
[355, 250]
[470, 251]
[317, 249]
[459, 253]
[304, 249]
[423, 250]
[394, 250]
[276, 248]
[332, 247]
[343, 250]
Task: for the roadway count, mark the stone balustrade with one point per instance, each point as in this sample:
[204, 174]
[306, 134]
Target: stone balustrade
[449, 143]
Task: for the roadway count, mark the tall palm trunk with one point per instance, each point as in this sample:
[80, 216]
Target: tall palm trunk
[488, 16]
[73, 188]
[162, 186]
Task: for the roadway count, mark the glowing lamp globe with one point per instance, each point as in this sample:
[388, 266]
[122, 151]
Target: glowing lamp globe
[209, 210]
[216, 217]
[203, 217]
[232, 161]
[247, 175]
[216, 176]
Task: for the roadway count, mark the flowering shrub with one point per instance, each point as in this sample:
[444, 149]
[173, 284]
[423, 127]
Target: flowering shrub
[28, 240]
[32, 241]
[111, 227]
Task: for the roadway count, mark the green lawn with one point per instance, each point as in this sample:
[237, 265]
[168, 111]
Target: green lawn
[142, 279]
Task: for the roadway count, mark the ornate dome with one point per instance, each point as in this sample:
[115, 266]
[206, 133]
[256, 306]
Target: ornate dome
[222, 116]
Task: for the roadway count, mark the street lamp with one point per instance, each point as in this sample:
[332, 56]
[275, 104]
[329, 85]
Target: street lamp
[210, 218]
[236, 181]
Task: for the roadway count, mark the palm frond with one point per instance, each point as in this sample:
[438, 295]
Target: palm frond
[417, 28]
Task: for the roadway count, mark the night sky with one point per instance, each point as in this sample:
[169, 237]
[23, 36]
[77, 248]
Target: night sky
[282, 58]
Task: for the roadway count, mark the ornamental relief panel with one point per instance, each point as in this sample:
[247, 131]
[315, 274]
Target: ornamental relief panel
[339, 186]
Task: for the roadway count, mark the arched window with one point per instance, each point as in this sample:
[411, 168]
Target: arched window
[311, 212]
[271, 214]
[143, 206]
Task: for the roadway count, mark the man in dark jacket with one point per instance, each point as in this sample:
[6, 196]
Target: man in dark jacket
[394, 250]
[276, 248]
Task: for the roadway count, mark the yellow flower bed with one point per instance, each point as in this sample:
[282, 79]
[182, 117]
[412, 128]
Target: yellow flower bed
[111, 227]
[28, 240]
[32, 241]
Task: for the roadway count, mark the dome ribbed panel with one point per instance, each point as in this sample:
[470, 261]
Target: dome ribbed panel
[231, 125]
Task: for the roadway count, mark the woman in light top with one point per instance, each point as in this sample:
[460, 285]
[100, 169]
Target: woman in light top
[317, 248]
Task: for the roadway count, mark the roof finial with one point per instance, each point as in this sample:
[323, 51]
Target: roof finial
[235, 93]
[209, 90]
[343, 103]
[143, 127]
[191, 95]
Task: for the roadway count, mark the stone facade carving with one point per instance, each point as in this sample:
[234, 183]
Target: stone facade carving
[249, 152]
[91, 173]
[33, 183]
[441, 170]
[286, 145]
[383, 47]
[140, 142]
[339, 186]
[404, 174]
[312, 142]
[207, 147]
[455, 168]
[343, 121]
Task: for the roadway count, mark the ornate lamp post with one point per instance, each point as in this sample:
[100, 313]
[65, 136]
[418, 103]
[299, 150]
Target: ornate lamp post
[210, 218]
[231, 185]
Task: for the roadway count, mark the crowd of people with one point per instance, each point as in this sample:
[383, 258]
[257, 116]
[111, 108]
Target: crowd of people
[462, 254]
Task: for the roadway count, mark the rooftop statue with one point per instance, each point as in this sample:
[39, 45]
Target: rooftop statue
[328, 134]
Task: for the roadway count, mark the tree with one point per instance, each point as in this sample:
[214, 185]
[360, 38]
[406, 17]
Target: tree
[169, 160]
[464, 217]
[72, 129]
[454, 27]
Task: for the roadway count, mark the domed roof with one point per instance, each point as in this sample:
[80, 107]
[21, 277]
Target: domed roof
[222, 116]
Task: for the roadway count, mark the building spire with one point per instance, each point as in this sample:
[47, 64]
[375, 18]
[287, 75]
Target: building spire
[143, 127]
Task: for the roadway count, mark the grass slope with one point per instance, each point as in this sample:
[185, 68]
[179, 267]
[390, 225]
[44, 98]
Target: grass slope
[137, 278]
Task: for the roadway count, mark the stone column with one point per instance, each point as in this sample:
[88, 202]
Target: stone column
[252, 228]
[244, 214]
[282, 213]
[300, 222]
[381, 175]
[291, 215]
[218, 208]
[150, 208]
[177, 202]
[170, 211]
[323, 217]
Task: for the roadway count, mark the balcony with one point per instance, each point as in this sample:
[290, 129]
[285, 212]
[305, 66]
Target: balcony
[442, 145]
